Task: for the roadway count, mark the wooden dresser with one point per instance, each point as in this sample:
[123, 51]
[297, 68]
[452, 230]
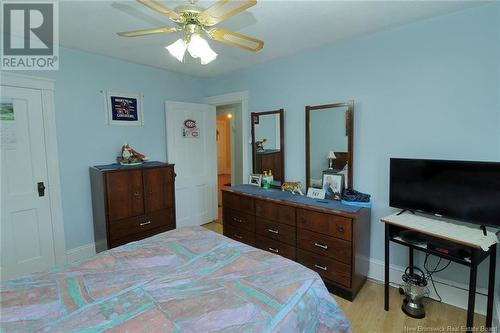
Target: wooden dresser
[131, 202]
[335, 242]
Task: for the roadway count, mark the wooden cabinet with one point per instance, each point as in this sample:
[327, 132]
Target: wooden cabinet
[332, 242]
[131, 202]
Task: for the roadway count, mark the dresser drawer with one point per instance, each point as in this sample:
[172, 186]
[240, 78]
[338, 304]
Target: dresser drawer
[275, 212]
[130, 226]
[276, 247]
[275, 230]
[139, 236]
[238, 234]
[328, 224]
[330, 269]
[239, 219]
[323, 245]
[238, 202]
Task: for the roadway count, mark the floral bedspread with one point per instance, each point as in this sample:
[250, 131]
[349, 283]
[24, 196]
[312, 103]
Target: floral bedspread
[185, 280]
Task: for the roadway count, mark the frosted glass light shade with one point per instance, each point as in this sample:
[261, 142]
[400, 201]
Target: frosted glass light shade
[199, 48]
[177, 49]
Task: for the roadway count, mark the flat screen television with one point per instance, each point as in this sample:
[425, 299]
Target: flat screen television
[462, 190]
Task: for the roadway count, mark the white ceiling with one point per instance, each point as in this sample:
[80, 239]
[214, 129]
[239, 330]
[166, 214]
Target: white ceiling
[287, 27]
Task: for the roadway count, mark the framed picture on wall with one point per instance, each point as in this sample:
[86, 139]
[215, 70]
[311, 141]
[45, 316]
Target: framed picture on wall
[333, 185]
[123, 109]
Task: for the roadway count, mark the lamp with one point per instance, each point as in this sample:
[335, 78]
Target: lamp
[196, 46]
[177, 49]
[331, 156]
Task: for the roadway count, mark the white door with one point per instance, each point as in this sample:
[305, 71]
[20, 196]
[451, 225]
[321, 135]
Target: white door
[26, 226]
[195, 161]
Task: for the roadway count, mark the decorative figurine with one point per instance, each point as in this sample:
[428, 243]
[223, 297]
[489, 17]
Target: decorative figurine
[259, 145]
[292, 187]
[129, 156]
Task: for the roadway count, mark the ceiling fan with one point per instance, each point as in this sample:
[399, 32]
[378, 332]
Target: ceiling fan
[197, 22]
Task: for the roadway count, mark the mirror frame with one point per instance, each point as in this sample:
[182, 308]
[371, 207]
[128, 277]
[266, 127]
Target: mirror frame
[350, 137]
[280, 112]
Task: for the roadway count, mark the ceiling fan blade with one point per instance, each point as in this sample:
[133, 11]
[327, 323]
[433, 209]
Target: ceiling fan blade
[145, 32]
[235, 39]
[162, 9]
[222, 10]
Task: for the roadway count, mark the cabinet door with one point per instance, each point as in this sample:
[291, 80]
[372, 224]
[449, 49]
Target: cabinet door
[125, 194]
[158, 188]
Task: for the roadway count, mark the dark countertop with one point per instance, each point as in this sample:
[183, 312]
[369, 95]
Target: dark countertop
[268, 151]
[116, 166]
[296, 199]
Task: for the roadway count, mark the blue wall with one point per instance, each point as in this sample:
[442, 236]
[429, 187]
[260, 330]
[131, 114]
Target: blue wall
[83, 137]
[425, 90]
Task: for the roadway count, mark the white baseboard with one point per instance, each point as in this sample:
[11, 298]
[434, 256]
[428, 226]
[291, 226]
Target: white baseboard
[80, 252]
[453, 293]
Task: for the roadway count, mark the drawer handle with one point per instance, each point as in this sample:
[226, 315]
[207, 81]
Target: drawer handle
[340, 229]
[235, 219]
[238, 236]
[323, 246]
[136, 194]
[324, 268]
[273, 231]
[273, 250]
[145, 223]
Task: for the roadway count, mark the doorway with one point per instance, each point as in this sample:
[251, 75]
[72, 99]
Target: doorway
[223, 137]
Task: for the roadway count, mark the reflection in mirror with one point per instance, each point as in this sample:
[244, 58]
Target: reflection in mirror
[268, 145]
[329, 142]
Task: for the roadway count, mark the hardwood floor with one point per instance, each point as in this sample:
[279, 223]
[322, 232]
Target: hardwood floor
[366, 313]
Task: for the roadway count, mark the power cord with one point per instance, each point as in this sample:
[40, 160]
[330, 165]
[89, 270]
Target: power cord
[430, 272]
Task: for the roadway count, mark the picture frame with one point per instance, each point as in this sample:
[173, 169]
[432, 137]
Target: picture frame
[255, 179]
[315, 193]
[333, 185]
[123, 109]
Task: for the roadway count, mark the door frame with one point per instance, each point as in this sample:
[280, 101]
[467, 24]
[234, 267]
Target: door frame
[46, 86]
[232, 98]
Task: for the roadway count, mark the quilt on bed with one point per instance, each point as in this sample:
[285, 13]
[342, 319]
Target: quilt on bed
[185, 280]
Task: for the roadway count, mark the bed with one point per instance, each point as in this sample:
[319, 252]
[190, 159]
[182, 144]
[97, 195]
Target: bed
[184, 280]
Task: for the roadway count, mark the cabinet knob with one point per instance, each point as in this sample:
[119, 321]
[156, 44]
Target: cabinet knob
[137, 194]
[340, 229]
[272, 249]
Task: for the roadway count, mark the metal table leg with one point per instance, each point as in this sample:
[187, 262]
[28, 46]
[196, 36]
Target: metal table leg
[472, 294]
[386, 269]
[491, 286]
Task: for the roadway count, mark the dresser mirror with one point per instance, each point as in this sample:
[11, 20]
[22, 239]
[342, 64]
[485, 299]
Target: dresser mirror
[268, 147]
[329, 143]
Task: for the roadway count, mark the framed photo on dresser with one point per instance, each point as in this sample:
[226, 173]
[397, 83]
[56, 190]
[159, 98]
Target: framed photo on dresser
[333, 185]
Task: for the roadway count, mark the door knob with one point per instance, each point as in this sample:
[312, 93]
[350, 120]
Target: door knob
[41, 189]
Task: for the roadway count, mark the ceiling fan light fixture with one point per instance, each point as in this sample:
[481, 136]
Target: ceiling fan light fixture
[199, 48]
[177, 49]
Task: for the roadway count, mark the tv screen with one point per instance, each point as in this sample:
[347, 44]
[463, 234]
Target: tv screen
[463, 190]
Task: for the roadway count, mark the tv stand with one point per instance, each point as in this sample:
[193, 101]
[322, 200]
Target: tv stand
[404, 211]
[472, 240]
